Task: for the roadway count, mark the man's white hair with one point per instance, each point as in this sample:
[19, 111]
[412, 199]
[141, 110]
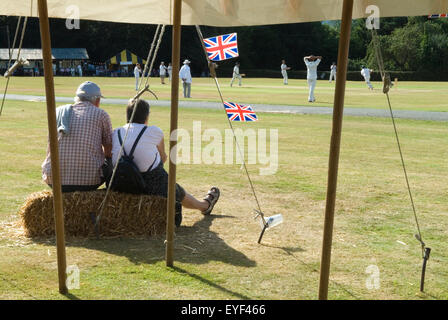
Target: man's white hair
[90, 99]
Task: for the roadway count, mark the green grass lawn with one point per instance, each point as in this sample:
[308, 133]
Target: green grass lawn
[218, 257]
[429, 96]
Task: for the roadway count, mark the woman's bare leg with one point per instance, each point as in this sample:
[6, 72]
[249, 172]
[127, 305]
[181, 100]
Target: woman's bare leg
[191, 202]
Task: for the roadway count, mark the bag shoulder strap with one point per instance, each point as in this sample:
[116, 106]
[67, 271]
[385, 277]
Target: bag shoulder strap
[137, 140]
[121, 141]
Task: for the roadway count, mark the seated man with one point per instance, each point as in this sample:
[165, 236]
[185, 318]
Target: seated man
[149, 156]
[85, 139]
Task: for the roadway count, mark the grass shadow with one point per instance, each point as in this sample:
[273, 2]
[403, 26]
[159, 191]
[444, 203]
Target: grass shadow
[195, 244]
[290, 252]
[71, 296]
[211, 284]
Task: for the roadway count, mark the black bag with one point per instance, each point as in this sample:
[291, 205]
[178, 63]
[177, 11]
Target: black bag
[128, 177]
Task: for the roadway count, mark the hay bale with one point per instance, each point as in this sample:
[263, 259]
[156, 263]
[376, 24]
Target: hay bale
[124, 214]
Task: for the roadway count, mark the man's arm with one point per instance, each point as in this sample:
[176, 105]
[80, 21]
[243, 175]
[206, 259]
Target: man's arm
[161, 148]
[107, 150]
[107, 136]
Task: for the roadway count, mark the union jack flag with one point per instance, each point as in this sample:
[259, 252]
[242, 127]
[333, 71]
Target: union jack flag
[222, 47]
[441, 15]
[236, 112]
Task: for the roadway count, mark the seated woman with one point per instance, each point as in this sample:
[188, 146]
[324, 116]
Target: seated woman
[149, 156]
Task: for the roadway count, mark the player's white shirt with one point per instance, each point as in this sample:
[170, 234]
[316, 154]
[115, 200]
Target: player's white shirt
[365, 73]
[333, 68]
[283, 67]
[162, 70]
[236, 70]
[184, 73]
[312, 68]
[136, 72]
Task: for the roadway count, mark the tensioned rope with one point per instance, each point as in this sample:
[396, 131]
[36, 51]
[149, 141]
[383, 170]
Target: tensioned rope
[211, 66]
[11, 54]
[96, 219]
[159, 40]
[153, 50]
[386, 86]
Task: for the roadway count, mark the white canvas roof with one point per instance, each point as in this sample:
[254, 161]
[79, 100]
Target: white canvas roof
[221, 12]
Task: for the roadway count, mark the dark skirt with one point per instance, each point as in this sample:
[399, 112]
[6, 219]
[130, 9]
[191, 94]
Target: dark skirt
[157, 184]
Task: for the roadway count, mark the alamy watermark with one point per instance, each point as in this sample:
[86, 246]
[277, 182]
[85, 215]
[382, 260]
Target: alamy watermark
[373, 278]
[72, 281]
[72, 21]
[373, 21]
[211, 146]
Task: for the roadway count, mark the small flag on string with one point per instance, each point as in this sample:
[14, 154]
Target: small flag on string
[237, 112]
[222, 47]
[440, 15]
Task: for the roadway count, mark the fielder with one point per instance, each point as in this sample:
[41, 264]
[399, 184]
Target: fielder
[283, 69]
[162, 72]
[311, 63]
[236, 74]
[333, 72]
[137, 71]
[365, 72]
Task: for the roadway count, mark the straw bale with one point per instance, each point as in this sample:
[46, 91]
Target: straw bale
[124, 214]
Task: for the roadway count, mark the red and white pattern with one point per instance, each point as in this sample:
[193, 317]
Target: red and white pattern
[81, 154]
[236, 112]
[222, 47]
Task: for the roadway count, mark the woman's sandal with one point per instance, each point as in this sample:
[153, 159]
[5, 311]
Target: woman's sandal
[211, 197]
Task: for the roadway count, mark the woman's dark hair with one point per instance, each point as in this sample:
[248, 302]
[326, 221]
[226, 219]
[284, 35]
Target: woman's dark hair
[142, 112]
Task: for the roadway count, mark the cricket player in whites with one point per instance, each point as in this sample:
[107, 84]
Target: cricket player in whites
[137, 71]
[284, 68]
[365, 72]
[311, 63]
[236, 74]
[333, 72]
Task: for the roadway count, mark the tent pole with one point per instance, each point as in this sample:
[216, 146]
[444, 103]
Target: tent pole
[338, 110]
[53, 137]
[175, 58]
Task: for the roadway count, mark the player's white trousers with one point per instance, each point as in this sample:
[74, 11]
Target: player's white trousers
[332, 76]
[235, 76]
[285, 77]
[368, 83]
[136, 83]
[311, 85]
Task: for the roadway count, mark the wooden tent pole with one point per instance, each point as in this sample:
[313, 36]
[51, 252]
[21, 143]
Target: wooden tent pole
[53, 137]
[175, 58]
[338, 111]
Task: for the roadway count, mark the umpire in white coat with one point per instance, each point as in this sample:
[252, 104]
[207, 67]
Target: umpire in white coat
[185, 75]
[311, 63]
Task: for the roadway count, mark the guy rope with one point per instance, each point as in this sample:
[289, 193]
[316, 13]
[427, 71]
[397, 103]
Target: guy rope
[153, 58]
[212, 67]
[152, 51]
[386, 86]
[19, 61]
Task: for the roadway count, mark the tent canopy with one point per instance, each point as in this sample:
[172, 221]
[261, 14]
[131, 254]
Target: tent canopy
[125, 57]
[220, 12]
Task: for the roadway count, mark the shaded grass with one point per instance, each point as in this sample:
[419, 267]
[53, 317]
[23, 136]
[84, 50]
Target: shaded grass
[217, 257]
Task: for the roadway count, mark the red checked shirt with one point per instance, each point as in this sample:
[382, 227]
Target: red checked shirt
[80, 152]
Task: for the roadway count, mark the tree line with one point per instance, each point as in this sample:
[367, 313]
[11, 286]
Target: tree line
[408, 43]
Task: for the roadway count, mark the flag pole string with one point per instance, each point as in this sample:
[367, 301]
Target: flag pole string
[212, 67]
[386, 86]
